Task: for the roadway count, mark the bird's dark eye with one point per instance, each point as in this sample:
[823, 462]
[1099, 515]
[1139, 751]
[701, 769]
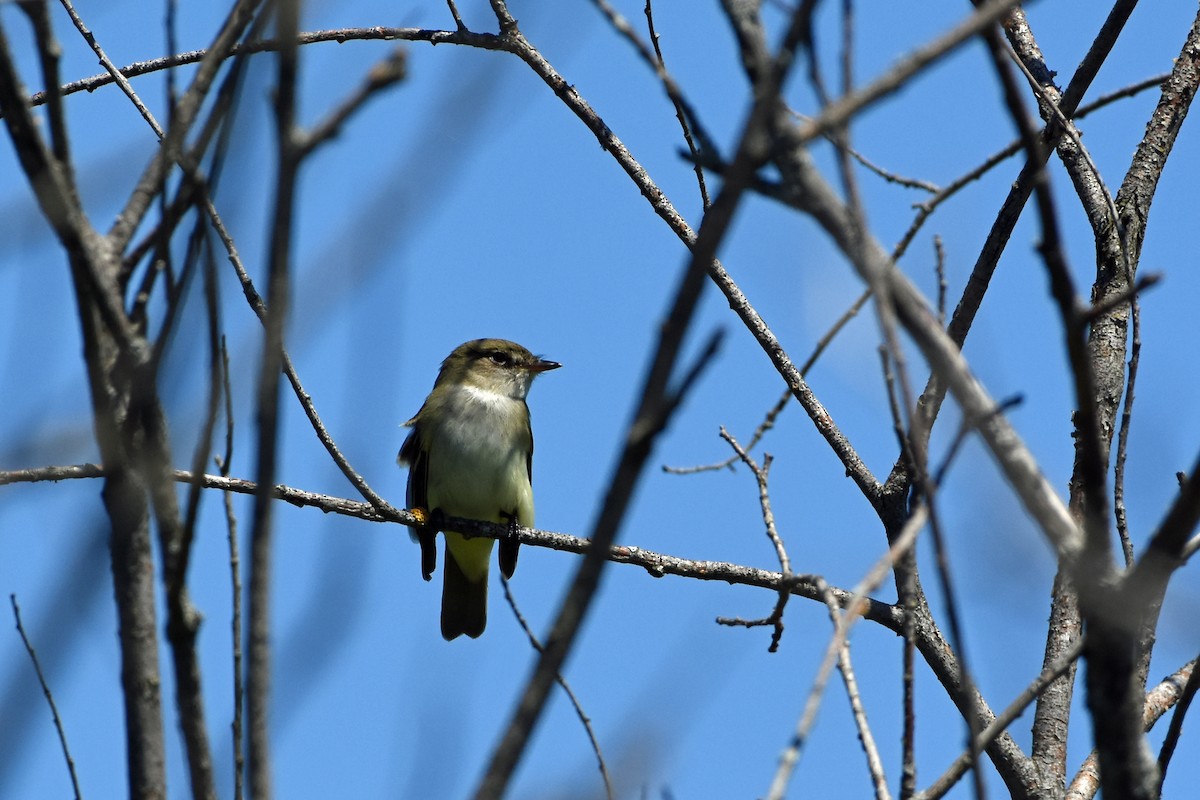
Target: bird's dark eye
[499, 358]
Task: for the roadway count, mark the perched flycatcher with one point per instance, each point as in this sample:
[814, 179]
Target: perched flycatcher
[470, 454]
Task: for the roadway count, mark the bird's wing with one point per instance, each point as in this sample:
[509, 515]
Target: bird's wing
[417, 496]
[418, 469]
[529, 457]
[509, 546]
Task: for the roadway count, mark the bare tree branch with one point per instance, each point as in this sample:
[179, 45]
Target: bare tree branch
[655, 564]
[785, 563]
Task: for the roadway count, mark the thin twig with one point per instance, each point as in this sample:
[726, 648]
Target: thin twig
[1087, 487]
[887, 175]
[58, 724]
[681, 112]
[111, 68]
[871, 166]
[387, 72]
[926, 209]
[962, 688]
[566, 687]
[907, 588]
[785, 563]
[784, 399]
[289, 370]
[688, 119]
[764, 499]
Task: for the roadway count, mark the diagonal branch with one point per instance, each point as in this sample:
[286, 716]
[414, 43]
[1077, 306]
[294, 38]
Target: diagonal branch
[58, 724]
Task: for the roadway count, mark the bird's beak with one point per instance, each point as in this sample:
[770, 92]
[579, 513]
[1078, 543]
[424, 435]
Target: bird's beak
[542, 365]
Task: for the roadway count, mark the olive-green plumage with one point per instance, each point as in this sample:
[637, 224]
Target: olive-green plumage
[470, 454]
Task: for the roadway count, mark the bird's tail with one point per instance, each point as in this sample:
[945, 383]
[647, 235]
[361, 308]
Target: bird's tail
[464, 602]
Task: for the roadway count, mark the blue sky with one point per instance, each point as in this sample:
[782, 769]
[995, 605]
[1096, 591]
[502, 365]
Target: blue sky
[469, 202]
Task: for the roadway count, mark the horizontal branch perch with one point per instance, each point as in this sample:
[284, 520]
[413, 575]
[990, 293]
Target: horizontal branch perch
[810, 587]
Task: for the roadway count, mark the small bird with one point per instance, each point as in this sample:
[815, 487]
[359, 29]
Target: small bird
[470, 455]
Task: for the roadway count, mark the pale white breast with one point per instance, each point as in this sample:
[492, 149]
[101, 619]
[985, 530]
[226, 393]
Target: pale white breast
[478, 457]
